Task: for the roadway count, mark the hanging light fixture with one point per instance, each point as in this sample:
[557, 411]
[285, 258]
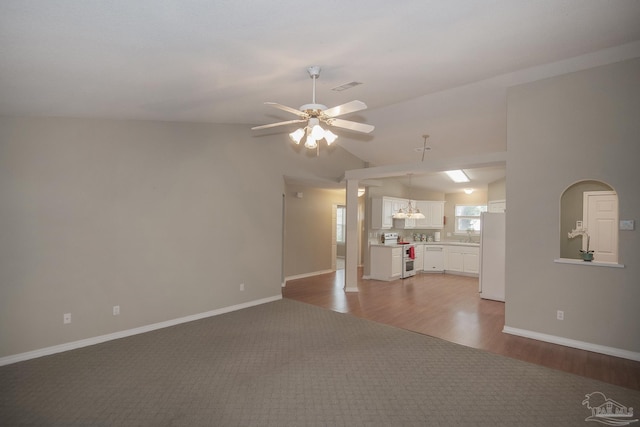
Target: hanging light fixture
[409, 211]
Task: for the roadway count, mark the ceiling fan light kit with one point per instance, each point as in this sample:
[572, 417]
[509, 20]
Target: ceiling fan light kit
[313, 114]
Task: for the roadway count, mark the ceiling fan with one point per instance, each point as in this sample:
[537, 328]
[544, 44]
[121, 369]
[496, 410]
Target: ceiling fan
[314, 113]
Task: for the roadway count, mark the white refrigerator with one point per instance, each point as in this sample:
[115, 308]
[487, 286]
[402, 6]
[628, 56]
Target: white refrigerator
[492, 255]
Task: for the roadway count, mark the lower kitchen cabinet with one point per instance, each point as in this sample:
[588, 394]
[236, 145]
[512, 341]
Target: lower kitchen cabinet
[462, 259]
[471, 262]
[386, 262]
[418, 264]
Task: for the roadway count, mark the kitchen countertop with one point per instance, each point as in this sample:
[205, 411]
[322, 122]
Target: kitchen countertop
[448, 243]
[386, 246]
[443, 243]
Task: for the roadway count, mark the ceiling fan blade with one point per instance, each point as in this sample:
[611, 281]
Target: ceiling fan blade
[288, 109]
[343, 109]
[347, 124]
[272, 125]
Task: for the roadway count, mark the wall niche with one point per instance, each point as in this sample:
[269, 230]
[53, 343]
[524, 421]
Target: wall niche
[572, 210]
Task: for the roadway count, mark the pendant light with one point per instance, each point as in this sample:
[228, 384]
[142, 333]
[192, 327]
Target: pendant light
[409, 211]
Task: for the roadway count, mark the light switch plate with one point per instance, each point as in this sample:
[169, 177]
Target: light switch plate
[627, 224]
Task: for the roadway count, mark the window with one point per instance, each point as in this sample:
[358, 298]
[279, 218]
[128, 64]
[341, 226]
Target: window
[341, 223]
[468, 218]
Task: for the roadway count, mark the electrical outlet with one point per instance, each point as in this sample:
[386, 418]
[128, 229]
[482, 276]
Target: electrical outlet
[116, 310]
[560, 315]
[66, 318]
[242, 286]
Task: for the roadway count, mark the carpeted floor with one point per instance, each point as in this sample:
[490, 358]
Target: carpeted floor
[291, 364]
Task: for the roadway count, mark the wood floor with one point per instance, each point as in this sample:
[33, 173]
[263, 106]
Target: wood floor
[449, 307]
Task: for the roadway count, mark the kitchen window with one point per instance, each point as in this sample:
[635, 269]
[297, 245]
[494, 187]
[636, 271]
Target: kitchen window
[468, 218]
[341, 223]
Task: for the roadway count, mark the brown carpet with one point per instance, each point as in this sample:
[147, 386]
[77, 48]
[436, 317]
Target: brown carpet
[291, 364]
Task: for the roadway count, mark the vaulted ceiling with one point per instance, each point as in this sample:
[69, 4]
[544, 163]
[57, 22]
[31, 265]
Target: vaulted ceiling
[426, 66]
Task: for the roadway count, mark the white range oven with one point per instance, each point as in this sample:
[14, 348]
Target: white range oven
[408, 254]
[408, 260]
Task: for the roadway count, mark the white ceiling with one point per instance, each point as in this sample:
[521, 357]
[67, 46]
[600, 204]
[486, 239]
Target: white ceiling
[427, 66]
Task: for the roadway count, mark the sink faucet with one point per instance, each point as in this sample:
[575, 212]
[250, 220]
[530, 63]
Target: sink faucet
[469, 238]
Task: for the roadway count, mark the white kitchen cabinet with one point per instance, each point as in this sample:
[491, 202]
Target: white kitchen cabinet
[396, 263]
[436, 213]
[433, 212]
[386, 262]
[462, 259]
[433, 259]
[381, 213]
[418, 263]
[454, 260]
[397, 204]
[423, 207]
[471, 262]
[382, 210]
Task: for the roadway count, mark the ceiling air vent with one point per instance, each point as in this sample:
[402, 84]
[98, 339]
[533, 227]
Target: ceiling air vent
[346, 86]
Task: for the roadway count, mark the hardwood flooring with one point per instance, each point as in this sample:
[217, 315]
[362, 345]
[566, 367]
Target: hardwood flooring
[449, 307]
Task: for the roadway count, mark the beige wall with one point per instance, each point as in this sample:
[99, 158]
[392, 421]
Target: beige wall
[164, 219]
[308, 228]
[497, 190]
[389, 187]
[561, 130]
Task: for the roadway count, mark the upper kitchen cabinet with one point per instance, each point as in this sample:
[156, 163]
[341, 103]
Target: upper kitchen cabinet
[433, 214]
[382, 213]
[382, 210]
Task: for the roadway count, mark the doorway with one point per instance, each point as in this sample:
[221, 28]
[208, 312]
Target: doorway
[339, 227]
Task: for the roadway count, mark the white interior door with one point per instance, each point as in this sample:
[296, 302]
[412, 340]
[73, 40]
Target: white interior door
[600, 216]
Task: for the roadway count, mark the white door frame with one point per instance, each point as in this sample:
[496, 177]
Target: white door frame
[334, 237]
[589, 198]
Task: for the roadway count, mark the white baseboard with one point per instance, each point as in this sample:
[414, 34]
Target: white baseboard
[7, 360]
[302, 276]
[582, 345]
